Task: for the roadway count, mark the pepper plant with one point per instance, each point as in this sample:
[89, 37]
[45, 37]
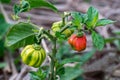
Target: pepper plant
[72, 27]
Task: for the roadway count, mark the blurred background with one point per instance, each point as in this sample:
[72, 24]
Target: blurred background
[104, 65]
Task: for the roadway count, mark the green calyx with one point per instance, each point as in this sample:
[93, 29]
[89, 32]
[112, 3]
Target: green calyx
[80, 34]
[36, 46]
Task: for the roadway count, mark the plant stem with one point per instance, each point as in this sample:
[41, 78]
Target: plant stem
[63, 21]
[65, 16]
[52, 75]
[65, 27]
[49, 35]
[52, 64]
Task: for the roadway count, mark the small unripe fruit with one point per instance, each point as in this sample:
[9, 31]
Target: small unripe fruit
[57, 26]
[33, 55]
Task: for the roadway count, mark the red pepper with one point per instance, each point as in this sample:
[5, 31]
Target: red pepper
[77, 42]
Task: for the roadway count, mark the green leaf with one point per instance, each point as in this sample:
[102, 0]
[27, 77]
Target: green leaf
[39, 75]
[84, 18]
[19, 8]
[34, 76]
[117, 32]
[41, 3]
[25, 6]
[20, 35]
[111, 39]
[98, 40]
[3, 29]
[5, 1]
[117, 43]
[60, 71]
[86, 56]
[92, 17]
[63, 51]
[2, 20]
[80, 78]
[77, 19]
[3, 26]
[103, 22]
[1, 48]
[2, 64]
[60, 36]
[81, 59]
[16, 9]
[71, 73]
[73, 59]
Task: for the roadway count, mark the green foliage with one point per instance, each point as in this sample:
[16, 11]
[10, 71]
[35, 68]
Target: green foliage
[77, 58]
[117, 43]
[77, 18]
[72, 59]
[86, 56]
[65, 56]
[115, 39]
[1, 48]
[117, 32]
[71, 73]
[5, 1]
[2, 64]
[79, 78]
[60, 69]
[20, 35]
[41, 3]
[23, 7]
[39, 75]
[84, 18]
[103, 22]
[110, 39]
[19, 8]
[63, 51]
[80, 59]
[92, 17]
[4, 26]
[97, 40]
[26, 5]
[17, 61]
[16, 9]
[60, 36]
